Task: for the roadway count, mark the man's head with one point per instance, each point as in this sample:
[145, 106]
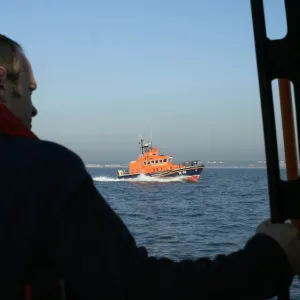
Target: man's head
[16, 81]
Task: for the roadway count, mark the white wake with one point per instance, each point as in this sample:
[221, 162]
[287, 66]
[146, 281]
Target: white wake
[140, 178]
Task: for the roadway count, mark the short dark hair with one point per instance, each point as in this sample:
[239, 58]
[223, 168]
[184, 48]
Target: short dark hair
[10, 52]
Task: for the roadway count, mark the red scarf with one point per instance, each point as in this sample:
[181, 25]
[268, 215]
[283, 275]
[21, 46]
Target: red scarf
[11, 125]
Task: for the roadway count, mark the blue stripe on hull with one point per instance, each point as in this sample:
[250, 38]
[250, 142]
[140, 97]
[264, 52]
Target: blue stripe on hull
[192, 172]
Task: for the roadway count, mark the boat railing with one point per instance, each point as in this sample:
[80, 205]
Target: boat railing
[193, 163]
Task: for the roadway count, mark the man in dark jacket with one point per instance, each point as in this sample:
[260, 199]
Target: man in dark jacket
[59, 229]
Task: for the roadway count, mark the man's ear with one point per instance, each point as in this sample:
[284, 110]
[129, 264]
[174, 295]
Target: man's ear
[3, 74]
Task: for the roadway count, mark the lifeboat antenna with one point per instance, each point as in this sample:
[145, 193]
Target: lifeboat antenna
[151, 135]
[140, 137]
[141, 142]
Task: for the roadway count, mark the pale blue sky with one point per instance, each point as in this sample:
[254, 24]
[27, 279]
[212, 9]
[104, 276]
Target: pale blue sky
[107, 70]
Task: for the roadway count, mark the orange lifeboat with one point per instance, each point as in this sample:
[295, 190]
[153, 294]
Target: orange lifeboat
[154, 164]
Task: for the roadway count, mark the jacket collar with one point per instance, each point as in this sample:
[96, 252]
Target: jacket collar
[12, 126]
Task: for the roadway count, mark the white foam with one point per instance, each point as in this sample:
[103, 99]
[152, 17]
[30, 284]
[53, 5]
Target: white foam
[140, 178]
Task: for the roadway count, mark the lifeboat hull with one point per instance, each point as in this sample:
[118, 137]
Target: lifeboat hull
[190, 174]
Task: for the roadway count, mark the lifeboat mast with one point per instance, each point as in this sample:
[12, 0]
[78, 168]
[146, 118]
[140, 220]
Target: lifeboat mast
[144, 147]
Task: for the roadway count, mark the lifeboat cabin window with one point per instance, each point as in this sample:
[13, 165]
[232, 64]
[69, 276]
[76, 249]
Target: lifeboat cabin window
[148, 162]
[152, 162]
[169, 159]
[145, 162]
[165, 160]
[160, 161]
[156, 161]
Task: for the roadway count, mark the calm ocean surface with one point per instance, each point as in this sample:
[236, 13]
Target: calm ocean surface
[189, 220]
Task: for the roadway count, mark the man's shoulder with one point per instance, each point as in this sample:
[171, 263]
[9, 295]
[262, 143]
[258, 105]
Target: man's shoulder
[62, 163]
[59, 155]
[45, 164]
[44, 153]
[59, 152]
